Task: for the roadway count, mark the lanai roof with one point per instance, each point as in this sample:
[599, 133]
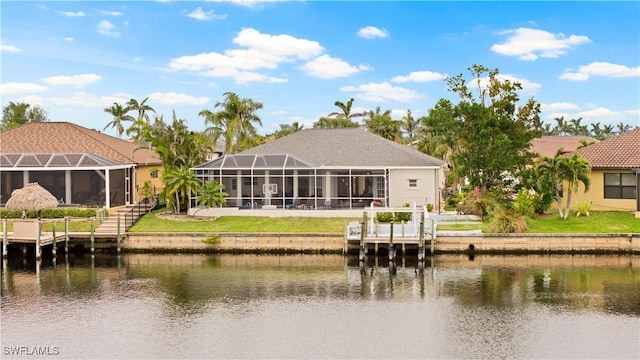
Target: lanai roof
[345, 148]
[620, 152]
[69, 138]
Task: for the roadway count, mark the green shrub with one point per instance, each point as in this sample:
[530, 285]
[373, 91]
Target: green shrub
[402, 216]
[57, 213]
[429, 207]
[384, 216]
[584, 207]
[525, 203]
[507, 222]
[212, 240]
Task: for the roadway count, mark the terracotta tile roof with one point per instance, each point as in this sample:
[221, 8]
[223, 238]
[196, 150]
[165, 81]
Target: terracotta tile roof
[65, 137]
[549, 145]
[621, 152]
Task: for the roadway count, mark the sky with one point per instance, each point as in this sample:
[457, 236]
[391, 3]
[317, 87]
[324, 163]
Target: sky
[577, 59]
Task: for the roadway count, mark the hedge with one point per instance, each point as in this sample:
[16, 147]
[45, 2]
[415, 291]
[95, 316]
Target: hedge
[57, 213]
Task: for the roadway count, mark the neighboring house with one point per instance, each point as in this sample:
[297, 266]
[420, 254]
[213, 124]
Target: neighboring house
[327, 168]
[77, 165]
[615, 173]
[549, 145]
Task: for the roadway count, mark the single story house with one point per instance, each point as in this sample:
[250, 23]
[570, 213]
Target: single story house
[615, 173]
[326, 169]
[549, 145]
[79, 166]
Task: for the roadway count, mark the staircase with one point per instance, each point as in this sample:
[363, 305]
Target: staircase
[128, 216]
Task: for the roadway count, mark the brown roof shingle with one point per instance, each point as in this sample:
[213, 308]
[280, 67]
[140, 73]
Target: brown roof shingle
[549, 145]
[621, 152]
[65, 137]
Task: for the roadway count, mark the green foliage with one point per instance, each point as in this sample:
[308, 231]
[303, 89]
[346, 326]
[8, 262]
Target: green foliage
[584, 207]
[384, 216]
[402, 216]
[504, 221]
[16, 114]
[212, 240]
[212, 194]
[179, 183]
[525, 203]
[57, 213]
[147, 189]
[487, 133]
[429, 207]
[338, 120]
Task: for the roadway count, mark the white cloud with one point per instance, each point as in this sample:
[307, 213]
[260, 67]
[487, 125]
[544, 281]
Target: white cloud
[529, 44]
[601, 114]
[202, 15]
[528, 87]
[372, 32]
[107, 28]
[68, 38]
[110, 13]
[382, 92]
[278, 45]
[89, 100]
[600, 69]
[247, 3]
[71, 13]
[327, 67]
[172, 98]
[21, 88]
[559, 106]
[74, 80]
[8, 48]
[420, 76]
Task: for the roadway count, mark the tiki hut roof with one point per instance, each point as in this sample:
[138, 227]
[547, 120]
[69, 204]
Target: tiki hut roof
[32, 197]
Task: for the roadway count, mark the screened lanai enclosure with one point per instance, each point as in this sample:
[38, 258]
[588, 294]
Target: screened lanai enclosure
[75, 179]
[284, 181]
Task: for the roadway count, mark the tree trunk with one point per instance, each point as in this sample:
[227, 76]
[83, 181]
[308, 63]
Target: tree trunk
[566, 211]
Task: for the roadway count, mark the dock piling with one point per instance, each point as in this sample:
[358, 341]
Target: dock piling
[92, 238]
[4, 238]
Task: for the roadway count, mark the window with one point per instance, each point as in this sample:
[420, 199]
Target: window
[413, 183]
[619, 186]
[153, 174]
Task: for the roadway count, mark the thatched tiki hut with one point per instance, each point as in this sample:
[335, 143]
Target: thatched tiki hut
[32, 197]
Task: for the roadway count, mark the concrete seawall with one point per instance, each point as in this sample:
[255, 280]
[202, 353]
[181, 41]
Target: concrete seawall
[335, 243]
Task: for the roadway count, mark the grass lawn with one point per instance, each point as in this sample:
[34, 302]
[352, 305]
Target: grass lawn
[598, 222]
[241, 224]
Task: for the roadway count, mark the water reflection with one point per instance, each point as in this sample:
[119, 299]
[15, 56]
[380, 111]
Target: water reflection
[491, 306]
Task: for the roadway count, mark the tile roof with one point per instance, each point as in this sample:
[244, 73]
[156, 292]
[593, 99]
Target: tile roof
[621, 152]
[65, 137]
[345, 147]
[549, 145]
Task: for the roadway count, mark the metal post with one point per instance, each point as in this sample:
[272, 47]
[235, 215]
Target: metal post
[4, 238]
[92, 236]
[118, 238]
[363, 231]
[53, 249]
[433, 236]
[421, 238]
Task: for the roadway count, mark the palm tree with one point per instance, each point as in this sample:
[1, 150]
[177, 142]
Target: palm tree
[138, 125]
[410, 127]
[573, 171]
[345, 111]
[383, 125]
[288, 129]
[120, 115]
[179, 184]
[623, 128]
[212, 194]
[235, 121]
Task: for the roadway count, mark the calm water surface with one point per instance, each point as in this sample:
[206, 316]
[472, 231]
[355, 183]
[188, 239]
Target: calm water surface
[320, 307]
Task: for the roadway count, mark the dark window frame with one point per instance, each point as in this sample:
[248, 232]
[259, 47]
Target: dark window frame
[619, 190]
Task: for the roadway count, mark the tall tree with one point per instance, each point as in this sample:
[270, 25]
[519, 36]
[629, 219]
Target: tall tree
[574, 171]
[410, 126]
[288, 129]
[136, 128]
[16, 114]
[234, 121]
[212, 194]
[490, 132]
[381, 124]
[340, 119]
[120, 115]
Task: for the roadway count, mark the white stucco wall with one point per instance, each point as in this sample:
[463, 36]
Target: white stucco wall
[428, 182]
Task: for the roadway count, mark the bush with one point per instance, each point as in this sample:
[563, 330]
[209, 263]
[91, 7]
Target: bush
[429, 207]
[384, 216]
[402, 216]
[507, 222]
[57, 213]
[525, 203]
[584, 207]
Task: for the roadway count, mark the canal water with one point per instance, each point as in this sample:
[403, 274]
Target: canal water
[143, 306]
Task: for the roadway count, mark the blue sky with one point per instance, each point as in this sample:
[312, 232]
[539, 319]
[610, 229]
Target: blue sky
[578, 59]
